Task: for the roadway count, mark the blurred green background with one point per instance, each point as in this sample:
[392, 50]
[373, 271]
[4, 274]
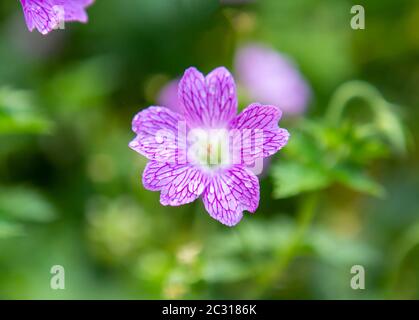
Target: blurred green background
[343, 192]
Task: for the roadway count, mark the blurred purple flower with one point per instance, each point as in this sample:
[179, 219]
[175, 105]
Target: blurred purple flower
[271, 78]
[207, 149]
[168, 96]
[47, 15]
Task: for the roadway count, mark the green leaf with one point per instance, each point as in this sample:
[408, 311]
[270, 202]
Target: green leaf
[18, 115]
[292, 178]
[85, 83]
[338, 250]
[24, 204]
[225, 270]
[10, 229]
[319, 154]
[359, 181]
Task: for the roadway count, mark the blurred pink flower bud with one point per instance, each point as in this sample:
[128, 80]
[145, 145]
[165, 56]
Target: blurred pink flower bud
[168, 96]
[271, 78]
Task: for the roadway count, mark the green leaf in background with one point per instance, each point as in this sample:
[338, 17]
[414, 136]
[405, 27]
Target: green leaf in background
[23, 204]
[10, 229]
[82, 84]
[292, 178]
[339, 250]
[340, 147]
[18, 114]
[243, 254]
[225, 270]
[359, 181]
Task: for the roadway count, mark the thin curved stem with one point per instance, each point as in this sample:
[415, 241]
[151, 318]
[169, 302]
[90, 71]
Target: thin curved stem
[351, 90]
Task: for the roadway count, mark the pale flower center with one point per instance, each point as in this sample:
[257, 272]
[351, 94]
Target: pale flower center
[209, 148]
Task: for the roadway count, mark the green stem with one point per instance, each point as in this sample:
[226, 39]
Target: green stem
[277, 270]
[350, 90]
[384, 120]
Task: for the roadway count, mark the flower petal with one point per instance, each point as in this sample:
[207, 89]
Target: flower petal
[229, 192]
[256, 133]
[46, 15]
[161, 135]
[179, 183]
[39, 14]
[209, 101]
[74, 10]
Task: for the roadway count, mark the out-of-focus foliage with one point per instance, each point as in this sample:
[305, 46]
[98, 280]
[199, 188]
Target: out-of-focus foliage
[343, 192]
[18, 115]
[25, 204]
[323, 150]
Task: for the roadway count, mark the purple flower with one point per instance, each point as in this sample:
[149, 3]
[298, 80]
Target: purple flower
[208, 150]
[47, 15]
[271, 78]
